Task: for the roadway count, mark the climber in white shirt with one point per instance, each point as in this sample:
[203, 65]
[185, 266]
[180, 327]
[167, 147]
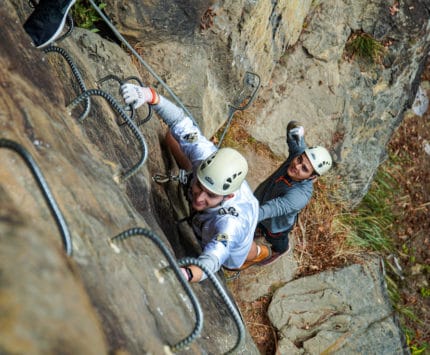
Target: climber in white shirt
[224, 209]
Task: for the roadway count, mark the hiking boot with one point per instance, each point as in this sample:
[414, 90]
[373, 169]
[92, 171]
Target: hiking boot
[47, 21]
[274, 257]
[265, 253]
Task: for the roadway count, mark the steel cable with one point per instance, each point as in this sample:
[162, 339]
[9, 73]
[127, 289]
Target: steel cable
[140, 59]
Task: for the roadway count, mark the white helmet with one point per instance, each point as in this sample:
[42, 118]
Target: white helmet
[320, 159]
[223, 171]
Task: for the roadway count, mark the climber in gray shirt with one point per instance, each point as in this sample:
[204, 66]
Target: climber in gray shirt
[288, 190]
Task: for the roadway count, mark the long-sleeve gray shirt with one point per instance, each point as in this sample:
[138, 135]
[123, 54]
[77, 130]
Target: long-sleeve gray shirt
[280, 197]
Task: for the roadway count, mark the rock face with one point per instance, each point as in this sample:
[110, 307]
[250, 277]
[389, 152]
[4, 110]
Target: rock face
[101, 301]
[299, 50]
[98, 301]
[340, 312]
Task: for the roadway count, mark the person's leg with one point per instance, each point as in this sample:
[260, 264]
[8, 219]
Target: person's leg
[279, 244]
[181, 159]
[279, 241]
[253, 252]
[47, 21]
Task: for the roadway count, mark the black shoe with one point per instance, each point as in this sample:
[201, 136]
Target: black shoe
[47, 21]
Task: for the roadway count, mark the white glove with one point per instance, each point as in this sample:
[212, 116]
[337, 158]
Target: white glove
[297, 133]
[138, 95]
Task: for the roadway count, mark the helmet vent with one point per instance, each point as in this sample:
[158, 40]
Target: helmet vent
[209, 180]
[230, 179]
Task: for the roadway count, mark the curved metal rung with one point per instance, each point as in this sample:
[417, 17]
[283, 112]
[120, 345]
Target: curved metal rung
[76, 73]
[71, 25]
[41, 182]
[129, 122]
[196, 305]
[232, 309]
[130, 107]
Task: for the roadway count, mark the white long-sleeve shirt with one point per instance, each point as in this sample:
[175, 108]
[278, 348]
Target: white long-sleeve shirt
[226, 231]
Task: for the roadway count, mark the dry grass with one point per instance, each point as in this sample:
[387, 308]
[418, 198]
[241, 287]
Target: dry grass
[321, 237]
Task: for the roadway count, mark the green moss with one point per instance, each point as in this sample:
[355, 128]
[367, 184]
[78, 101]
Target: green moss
[363, 46]
[85, 16]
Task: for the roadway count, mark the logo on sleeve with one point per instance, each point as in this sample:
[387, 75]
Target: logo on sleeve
[190, 137]
[222, 238]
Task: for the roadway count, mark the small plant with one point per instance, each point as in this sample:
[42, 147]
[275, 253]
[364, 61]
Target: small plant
[372, 220]
[414, 349]
[425, 292]
[85, 15]
[363, 46]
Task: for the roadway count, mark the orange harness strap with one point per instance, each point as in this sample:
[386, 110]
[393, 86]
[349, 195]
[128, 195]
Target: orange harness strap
[284, 180]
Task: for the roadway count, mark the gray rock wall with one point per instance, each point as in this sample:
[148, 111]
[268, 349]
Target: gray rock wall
[337, 312]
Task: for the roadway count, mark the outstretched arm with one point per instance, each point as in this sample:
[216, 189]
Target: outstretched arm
[291, 202]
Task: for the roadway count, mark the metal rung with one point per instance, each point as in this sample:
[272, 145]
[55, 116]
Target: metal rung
[196, 305]
[130, 107]
[232, 309]
[76, 73]
[41, 182]
[251, 84]
[129, 122]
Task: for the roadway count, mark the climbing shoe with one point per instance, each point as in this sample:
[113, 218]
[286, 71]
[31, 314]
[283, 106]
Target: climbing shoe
[265, 253]
[47, 21]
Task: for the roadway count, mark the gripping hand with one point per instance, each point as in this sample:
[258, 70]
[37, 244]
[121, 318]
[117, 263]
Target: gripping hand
[295, 130]
[138, 95]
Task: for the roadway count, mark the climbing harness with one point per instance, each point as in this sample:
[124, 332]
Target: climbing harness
[231, 308]
[251, 84]
[182, 177]
[196, 305]
[41, 182]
